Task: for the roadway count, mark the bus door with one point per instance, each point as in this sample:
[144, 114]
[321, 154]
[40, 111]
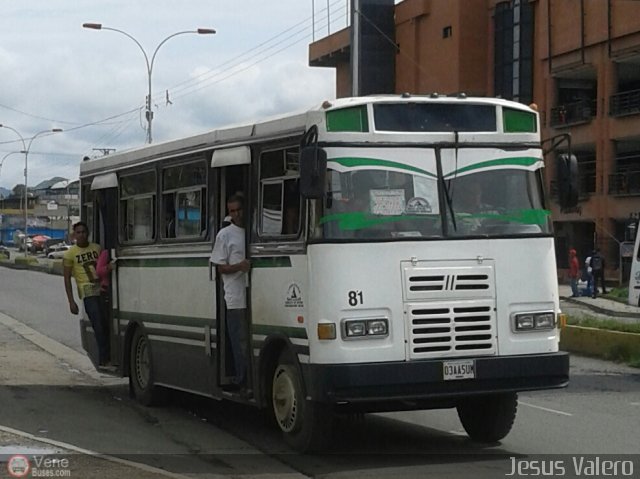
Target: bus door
[232, 166]
[104, 232]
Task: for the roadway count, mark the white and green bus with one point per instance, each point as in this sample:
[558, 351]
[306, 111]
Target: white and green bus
[402, 258]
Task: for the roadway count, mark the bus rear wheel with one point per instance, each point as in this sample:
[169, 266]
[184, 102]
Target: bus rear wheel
[488, 418]
[141, 370]
[306, 425]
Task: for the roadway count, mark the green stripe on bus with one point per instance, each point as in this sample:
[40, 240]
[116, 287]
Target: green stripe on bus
[275, 262]
[357, 220]
[360, 162]
[163, 262]
[288, 331]
[164, 319]
[517, 161]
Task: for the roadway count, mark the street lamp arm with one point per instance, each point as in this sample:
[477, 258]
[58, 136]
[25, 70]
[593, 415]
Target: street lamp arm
[25, 150]
[149, 110]
[146, 57]
[5, 157]
[200, 31]
[52, 130]
[24, 147]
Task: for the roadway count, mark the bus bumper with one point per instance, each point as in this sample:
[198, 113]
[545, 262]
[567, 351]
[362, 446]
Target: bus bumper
[420, 384]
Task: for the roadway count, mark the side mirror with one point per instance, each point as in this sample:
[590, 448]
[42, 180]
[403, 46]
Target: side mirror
[313, 170]
[567, 177]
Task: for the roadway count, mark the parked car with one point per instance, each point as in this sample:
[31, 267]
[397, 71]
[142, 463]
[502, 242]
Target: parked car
[57, 251]
[50, 243]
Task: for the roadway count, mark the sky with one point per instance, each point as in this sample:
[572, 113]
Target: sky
[93, 83]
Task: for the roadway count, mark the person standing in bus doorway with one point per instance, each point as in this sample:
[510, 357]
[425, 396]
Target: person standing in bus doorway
[597, 267]
[80, 262]
[229, 257]
[574, 271]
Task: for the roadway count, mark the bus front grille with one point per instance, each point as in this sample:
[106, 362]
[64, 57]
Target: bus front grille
[445, 329]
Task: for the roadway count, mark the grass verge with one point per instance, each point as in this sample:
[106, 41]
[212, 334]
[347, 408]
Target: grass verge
[616, 351]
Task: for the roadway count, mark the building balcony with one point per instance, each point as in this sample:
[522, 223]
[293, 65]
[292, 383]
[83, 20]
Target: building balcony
[586, 186]
[625, 183]
[575, 113]
[626, 103]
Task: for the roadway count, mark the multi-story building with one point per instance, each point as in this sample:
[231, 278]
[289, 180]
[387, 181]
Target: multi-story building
[577, 60]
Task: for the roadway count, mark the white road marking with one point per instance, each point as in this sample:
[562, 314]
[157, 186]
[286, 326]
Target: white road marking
[545, 409]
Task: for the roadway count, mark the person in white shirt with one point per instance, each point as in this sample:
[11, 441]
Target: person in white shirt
[230, 259]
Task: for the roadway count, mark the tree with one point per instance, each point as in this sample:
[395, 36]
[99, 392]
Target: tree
[18, 190]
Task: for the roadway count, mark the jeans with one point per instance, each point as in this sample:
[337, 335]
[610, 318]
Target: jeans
[93, 306]
[574, 287]
[238, 330]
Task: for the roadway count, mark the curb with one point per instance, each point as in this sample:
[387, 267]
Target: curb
[597, 309]
[611, 345]
[54, 267]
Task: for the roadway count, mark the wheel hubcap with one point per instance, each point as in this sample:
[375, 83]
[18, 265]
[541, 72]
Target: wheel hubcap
[285, 402]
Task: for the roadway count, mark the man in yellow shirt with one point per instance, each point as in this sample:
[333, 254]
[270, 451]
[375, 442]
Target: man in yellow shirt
[80, 262]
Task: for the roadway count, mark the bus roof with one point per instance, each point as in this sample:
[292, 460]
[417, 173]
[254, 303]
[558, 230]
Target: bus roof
[275, 127]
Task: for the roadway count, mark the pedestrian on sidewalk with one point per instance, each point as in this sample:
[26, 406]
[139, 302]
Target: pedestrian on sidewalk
[588, 276]
[79, 262]
[574, 271]
[597, 267]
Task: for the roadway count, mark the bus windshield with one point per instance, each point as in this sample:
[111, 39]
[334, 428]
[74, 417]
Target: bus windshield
[386, 204]
[378, 203]
[497, 203]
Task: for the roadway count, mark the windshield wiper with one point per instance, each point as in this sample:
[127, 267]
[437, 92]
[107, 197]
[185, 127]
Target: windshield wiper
[448, 194]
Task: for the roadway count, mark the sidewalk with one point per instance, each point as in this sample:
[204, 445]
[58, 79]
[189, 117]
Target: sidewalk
[600, 304]
[27, 362]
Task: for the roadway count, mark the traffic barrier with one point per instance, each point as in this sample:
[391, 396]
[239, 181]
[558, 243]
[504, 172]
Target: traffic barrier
[55, 267]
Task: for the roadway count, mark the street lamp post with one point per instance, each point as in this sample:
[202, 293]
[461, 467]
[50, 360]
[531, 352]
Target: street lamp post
[149, 111]
[25, 150]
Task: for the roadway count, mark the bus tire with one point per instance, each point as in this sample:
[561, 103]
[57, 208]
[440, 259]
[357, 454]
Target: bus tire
[306, 425]
[488, 418]
[141, 370]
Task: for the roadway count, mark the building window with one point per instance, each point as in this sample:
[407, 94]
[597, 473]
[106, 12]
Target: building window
[447, 31]
[513, 51]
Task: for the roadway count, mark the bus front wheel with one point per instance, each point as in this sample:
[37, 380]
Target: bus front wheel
[141, 370]
[488, 418]
[306, 425]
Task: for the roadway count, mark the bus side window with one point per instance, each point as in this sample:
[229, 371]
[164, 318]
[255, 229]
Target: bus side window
[184, 201]
[280, 201]
[138, 206]
[291, 210]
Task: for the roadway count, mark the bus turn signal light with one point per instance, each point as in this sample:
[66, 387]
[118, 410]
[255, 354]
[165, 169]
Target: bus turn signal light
[326, 331]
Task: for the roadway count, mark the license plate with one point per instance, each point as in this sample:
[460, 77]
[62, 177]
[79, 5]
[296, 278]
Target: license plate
[452, 370]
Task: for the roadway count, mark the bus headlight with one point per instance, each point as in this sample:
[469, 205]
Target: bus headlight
[363, 328]
[534, 321]
[545, 321]
[355, 328]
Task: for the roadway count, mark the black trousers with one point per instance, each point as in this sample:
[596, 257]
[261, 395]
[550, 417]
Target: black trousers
[598, 278]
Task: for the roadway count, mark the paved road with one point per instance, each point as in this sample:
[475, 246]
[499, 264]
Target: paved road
[598, 414]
